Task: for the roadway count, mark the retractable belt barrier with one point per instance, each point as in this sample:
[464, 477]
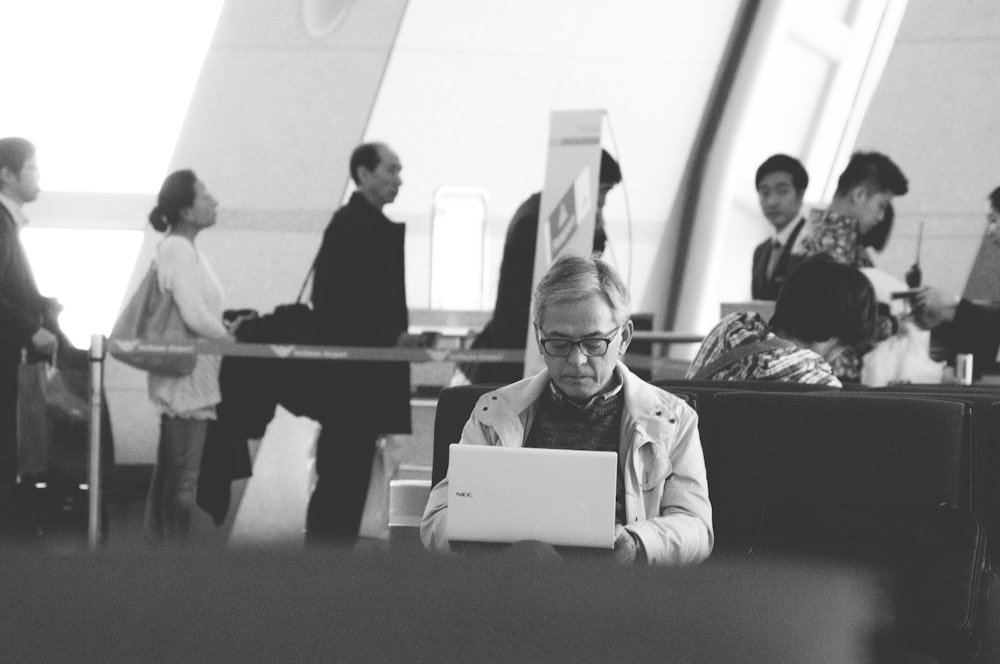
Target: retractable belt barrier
[308, 352]
[99, 345]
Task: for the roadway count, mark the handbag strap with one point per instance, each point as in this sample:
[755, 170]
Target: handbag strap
[734, 355]
[305, 282]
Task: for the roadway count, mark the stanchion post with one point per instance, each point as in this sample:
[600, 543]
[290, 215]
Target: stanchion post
[97, 351]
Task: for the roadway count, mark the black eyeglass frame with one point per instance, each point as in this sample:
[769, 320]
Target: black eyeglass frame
[579, 343]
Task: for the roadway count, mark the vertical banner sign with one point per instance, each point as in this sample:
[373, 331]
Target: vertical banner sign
[569, 200]
[983, 283]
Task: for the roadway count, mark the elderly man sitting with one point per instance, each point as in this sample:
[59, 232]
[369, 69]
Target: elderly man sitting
[587, 399]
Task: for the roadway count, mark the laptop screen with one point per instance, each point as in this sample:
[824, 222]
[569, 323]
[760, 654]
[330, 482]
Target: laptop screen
[509, 494]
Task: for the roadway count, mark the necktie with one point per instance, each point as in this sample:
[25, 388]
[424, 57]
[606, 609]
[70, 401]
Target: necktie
[772, 262]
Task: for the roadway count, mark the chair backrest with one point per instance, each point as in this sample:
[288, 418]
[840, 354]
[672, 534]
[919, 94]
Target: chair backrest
[741, 385]
[984, 402]
[842, 447]
[454, 406]
[700, 395]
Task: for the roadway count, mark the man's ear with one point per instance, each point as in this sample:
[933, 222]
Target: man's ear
[626, 333]
[859, 194]
[364, 174]
[7, 175]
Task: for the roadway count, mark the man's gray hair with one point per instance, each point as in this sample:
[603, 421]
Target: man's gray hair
[572, 278]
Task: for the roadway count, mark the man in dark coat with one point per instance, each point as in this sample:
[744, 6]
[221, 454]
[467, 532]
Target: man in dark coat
[508, 328]
[781, 182]
[23, 311]
[359, 297]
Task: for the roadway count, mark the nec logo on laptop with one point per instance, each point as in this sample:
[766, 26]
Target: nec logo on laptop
[463, 494]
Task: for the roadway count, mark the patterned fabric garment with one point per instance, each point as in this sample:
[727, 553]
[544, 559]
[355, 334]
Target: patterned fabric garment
[790, 365]
[837, 236]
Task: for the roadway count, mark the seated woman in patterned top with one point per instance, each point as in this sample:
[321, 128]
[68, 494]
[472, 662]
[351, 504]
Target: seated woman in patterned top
[823, 308]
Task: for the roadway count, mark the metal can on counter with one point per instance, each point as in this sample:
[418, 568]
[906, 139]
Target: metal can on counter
[963, 368]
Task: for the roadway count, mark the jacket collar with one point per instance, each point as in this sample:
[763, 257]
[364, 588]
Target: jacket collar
[363, 207]
[642, 401]
[15, 210]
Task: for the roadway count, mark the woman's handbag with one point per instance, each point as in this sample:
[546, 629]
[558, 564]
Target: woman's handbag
[152, 316]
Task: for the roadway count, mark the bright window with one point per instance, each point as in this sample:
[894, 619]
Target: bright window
[102, 87]
[86, 270]
[457, 234]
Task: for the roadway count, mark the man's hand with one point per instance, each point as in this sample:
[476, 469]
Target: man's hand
[44, 342]
[931, 308]
[233, 324]
[628, 547]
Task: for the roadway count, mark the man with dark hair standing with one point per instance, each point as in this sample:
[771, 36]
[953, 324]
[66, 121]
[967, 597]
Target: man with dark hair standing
[23, 311]
[781, 182]
[359, 296]
[864, 193]
[865, 190]
[508, 328]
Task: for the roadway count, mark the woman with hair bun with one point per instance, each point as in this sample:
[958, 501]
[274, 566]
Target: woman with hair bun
[183, 209]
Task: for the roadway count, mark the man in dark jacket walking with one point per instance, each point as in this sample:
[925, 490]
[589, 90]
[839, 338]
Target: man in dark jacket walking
[359, 296]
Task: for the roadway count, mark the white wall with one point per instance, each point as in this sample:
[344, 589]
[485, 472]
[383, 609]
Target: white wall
[935, 113]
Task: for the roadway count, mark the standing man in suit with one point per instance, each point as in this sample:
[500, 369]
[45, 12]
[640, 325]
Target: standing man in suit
[781, 182]
[359, 296]
[23, 311]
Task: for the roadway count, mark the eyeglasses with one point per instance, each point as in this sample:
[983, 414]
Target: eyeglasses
[591, 347]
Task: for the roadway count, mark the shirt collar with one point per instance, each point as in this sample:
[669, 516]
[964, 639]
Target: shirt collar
[614, 387]
[15, 210]
[786, 232]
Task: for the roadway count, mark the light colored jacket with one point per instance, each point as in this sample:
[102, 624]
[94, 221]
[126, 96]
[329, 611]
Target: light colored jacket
[666, 490]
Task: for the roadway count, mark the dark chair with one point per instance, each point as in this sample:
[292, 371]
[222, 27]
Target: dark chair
[880, 479]
[841, 447]
[741, 385]
[702, 392]
[454, 406]
[984, 405]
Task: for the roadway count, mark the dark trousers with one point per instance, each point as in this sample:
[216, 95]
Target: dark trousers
[344, 458]
[13, 517]
[8, 422]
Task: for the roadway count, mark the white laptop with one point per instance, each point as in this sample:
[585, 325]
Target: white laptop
[508, 494]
